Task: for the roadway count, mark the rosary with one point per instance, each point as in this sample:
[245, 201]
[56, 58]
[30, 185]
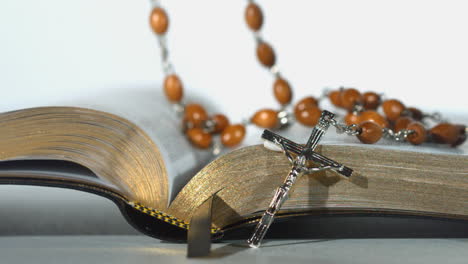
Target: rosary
[398, 122]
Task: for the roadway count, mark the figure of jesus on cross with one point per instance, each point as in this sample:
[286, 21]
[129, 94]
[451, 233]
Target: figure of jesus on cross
[299, 166]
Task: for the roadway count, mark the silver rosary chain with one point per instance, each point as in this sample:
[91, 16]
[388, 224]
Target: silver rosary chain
[397, 136]
[353, 130]
[166, 64]
[341, 128]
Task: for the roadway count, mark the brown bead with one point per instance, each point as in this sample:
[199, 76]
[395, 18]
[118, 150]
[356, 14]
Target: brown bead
[352, 118]
[304, 103]
[159, 21]
[282, 91]
[199, 138]
[370, 132]
[195, 114]
[335, 98]
[393, 109]
[350, 97]
[173, 88]
[371, 100]
[415, 113]
[419, 135]
[266, 54]
[254, 16]
[221, 122]
[266, 118]
[373, 116]
[401, 123]
[461, 135]
[308, 116]
[233, 135]
[445, 133]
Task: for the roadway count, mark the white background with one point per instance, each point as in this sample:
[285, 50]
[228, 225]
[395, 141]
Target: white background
[412, 50]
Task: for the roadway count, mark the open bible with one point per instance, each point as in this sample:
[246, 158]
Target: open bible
[143, 163]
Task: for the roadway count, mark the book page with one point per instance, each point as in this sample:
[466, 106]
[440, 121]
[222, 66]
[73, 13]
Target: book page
[149, 110]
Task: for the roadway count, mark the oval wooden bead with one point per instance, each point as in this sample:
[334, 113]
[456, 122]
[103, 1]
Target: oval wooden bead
[282, 91]
[254, 16]
[445, 133]
[419, 134]
[370, 132]
[335, 98]
[195, 114]
[349, 98]
[159, 21]
[304, 103]
[393, 109]
[266, 118]
[461, 135]
[373, 116]
[221, 122]
[233, 135]
[173, 88]
[401, 123]
[308, 116]
[371, 100]
[266, 54]
[415, 113]
[199, 138]
[352, 118]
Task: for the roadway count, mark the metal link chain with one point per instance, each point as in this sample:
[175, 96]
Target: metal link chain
[166, 64]
[352, 130]
[397, 136]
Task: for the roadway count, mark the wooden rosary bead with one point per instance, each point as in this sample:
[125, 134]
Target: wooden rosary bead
[393, 109]
[401, 123]
[349, 98]
[370, 132]
[266, 54]
[352, 118]
[461, 136]
[373, 116]
[221, 122]
[199, 138]
[266, 118]
[232, 135]
[371, 100]
[335, 98]
[304, 103]
[419, 135]
[159, 21]
[308, 116]
[282, 91]
[445, 133]
[195, 114]
[254, 16]
[415, 113]
[173, 88]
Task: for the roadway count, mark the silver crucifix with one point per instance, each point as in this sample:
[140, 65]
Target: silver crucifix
[299, 167]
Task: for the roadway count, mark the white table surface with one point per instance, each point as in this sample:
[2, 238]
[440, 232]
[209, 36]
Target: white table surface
[142, 249]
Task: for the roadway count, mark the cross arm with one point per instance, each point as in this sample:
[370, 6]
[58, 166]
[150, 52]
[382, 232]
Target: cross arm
[290, 145]
[297, 149]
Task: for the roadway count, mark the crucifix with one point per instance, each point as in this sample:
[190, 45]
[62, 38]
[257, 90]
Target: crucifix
[299, 167]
